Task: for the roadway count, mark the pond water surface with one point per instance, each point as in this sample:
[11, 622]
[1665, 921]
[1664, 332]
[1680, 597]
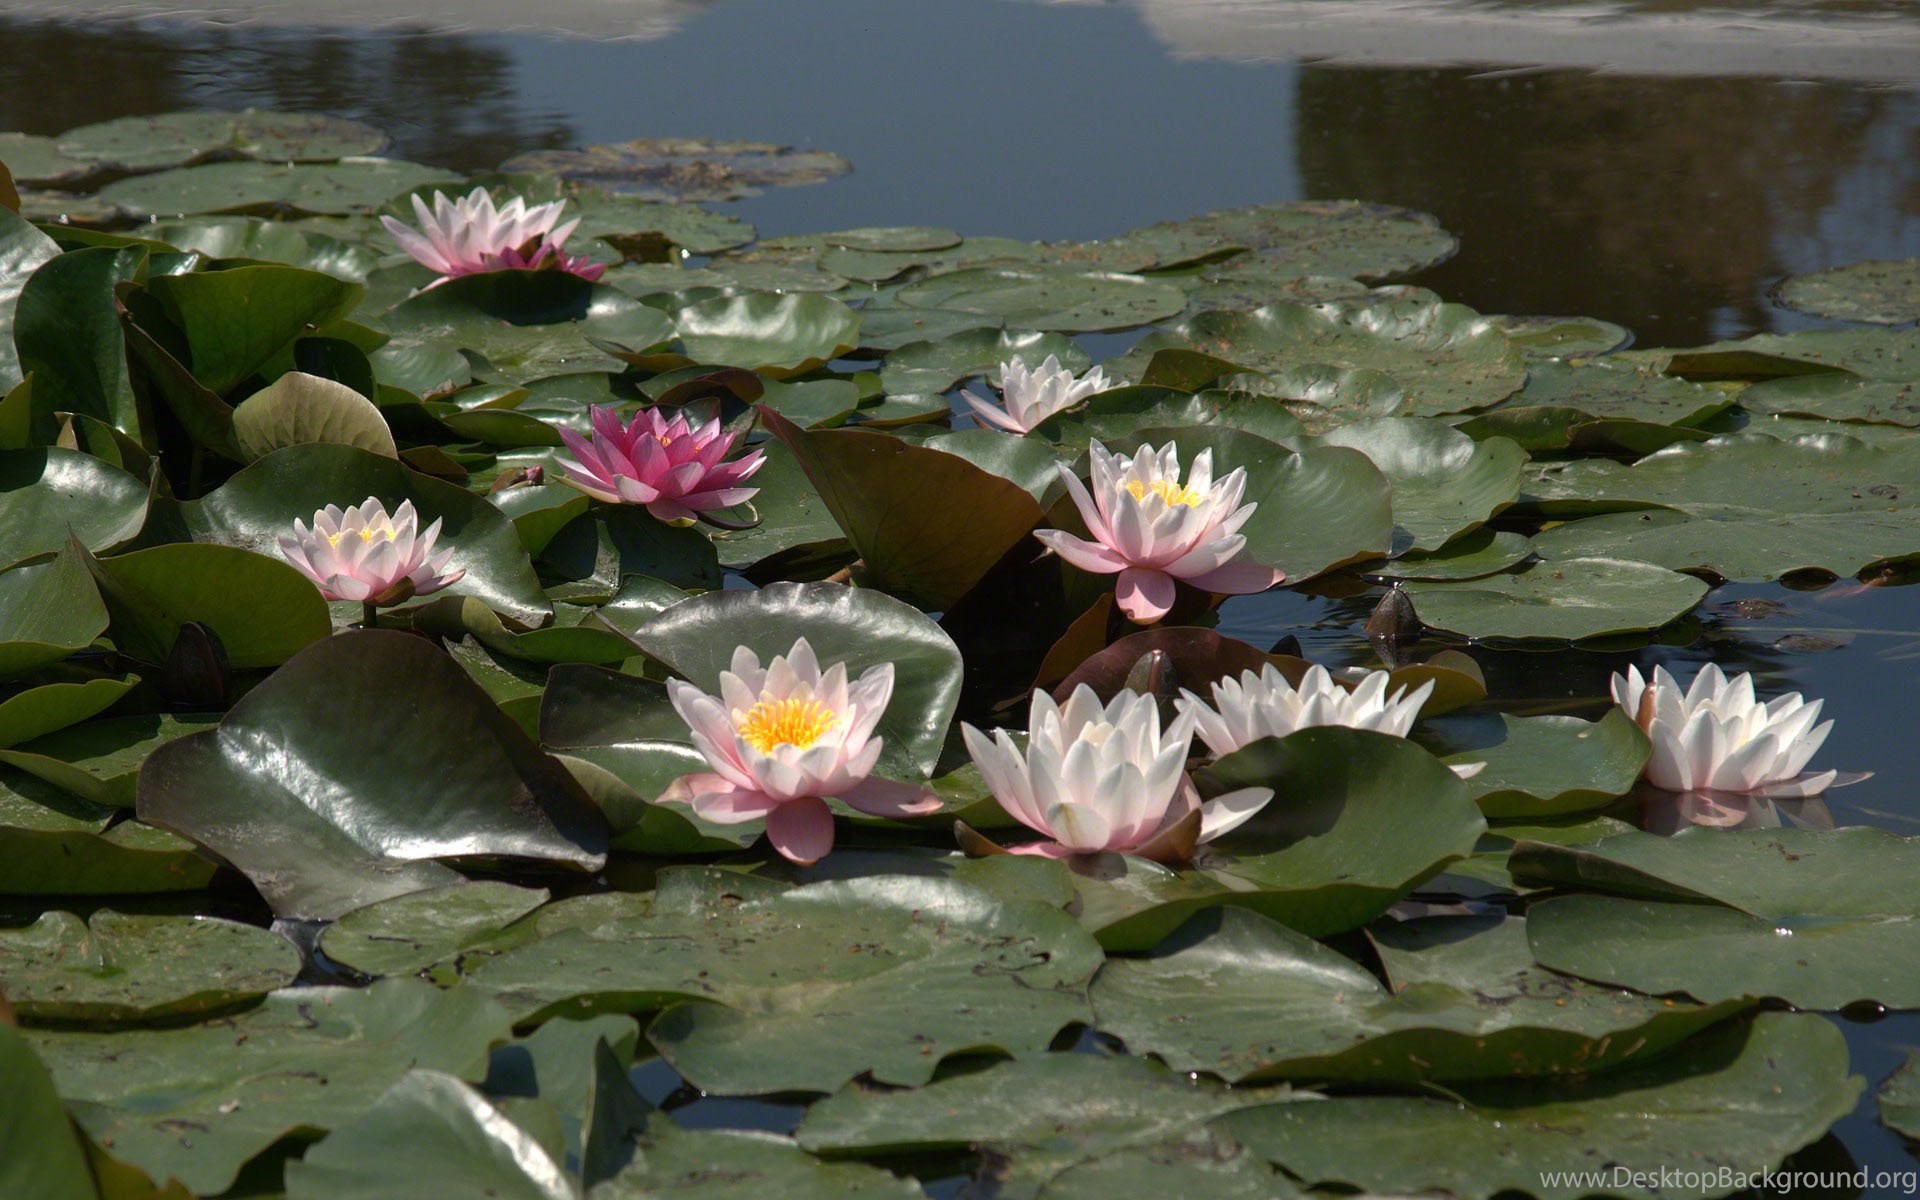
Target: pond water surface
[1628, 182]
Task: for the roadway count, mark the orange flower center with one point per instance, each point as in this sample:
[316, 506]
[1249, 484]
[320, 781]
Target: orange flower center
[1168, 490]
[791, 722]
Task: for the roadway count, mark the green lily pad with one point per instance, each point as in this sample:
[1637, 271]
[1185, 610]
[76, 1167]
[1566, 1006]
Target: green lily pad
[893, 238]
[1235, 994]
[48, 494]
[1443, 481]
[262, 610]
[235, 320]
[410, 933]
[676, 169]
[1566, 599]
[268, 241]
[48, 610]
[1600, 406]
[1899, 1099]
[22, 250]
[1326, 237]
[1544, 766]
[1882, 292]
[931, 967]
[67, 330]
[935, 366]
[307, 1059]
[681, 1164]
[175, 139]
[293, 791]
[54, 844]
[1819, 919]
[1111, 415]
[777, 335]
[120, 968]
[526, 325]
[1043, 298]
[1870, 353]
[1745, 549]
[622, 220]
[98, 760]
[336, 188]
[260, 503]
[298, 408]
[31, 158]
[1738, 1100]
[1562, 337]
[859, 627]
[1472, 555]
[47, 707]
[40, 1153]
[875, 484]
[1837, 397]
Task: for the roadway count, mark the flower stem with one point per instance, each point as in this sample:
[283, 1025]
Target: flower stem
[370, 616]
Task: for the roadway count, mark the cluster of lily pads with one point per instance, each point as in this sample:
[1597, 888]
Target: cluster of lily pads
[600, 642]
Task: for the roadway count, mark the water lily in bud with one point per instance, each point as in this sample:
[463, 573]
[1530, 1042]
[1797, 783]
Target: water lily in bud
[1715, 736]
[1265, 704]
[364, 555]
[1031, 395]
[784, 738]
[472, 235]
[668, 464]
[1097, 777]
[1151, 529]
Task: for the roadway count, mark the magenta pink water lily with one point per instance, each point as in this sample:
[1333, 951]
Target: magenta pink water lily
[670, 466]
[784, 738]
[1152, 529]
[1031, 395]
[472, 235]
[1717, 737]
[1104, 777]
[365, 556]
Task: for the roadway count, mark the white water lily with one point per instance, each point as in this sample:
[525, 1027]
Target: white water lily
[1030, 396]
[1263, 705]
[1715, 736]
[1151, 529]
[470, 235]
[1100, 777]
[783, 738]
[366, 556]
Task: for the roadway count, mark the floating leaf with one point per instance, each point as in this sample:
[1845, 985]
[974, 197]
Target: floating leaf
[1544, 766]
[1443, 481]
[54, 845]
[682, 1164]
[935, 366]
[1883, 292]
[98, 760]
[1472, 555]
[291, 790]
[262, 610]
[1837, 397]
[119, 968]
[1900, 1099]
[22, 249]
[48, 610]
[67, 331]
[407, 934]
[48, 494]
[1742, 548]
[1049, 298]
[1326, 237]
[348, 186]
[1567, 599]
[777, 335]
[40, 1155]
[526, 325]
[684, 168]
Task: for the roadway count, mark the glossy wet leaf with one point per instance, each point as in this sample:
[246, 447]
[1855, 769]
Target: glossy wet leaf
[1326, 237]
[67, 332]
[53, 844]
[298, 408]
[351, 185]
[779, 335]
[1049, 298]
[409, 933]
[259, 504]
[307, 1059]
[1601, 405]
[859, 627]
[295, 793]
[121, 968]
[236, 319]
[1566, 599]
[47, 494]
[739, 1164]
[1470, 556]
[1739, 1099]
[526, 325]
[1111, 415]
[1543, 766]
[40, 1155]
[48, 610]
[22, 249]
[935, 366]
[1443, 482]
[1899, 1099]
[671, 169]
[262, 610]
[929, 967]
[1882, 292]
[1755, 548]
[430, 1125]
[1236, 995]
[1819, 919]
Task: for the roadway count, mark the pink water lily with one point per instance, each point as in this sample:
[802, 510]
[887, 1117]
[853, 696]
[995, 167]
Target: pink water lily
[365, 556]
[672, 467]
[470, 236]
[782, 740]
[1151, 529]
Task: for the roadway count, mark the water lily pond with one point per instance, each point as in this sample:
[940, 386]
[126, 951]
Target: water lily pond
[563, 643]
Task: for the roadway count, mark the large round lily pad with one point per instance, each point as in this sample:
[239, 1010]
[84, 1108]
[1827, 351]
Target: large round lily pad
[1567, 599]
[1837, 397]
[778, 335]
[262, 609]
[684, 168]
[1757, 548]
[1444, 482]
[129, 968]
[54, 844]
[1049, 298]
[148, 143]
[925, 967]
[1882, 292]
[1326, 237]
[1543, 766]
[1600, 405]
[409, 933]
[297, 790]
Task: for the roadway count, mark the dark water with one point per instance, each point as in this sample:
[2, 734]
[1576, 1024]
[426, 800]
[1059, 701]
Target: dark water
[1666, 203]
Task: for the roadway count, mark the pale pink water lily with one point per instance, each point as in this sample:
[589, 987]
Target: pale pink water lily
[1715, 736]
[784, 738]
[365, 556]
[672, 467]
[472, 235]
[1264, 704]
[1151, 529]
[1031, 395]
[1097, 777]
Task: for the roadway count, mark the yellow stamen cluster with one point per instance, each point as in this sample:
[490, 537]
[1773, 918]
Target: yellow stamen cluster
[1168, 490]
[793, 722]
[366, 535]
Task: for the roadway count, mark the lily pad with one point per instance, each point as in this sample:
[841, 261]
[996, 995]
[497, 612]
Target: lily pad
[298, 408]
[1111, 415]
[1816, 918]
[148, 143]
[684, 168]
[67, 331]
[935, 366]
[48, 610]
[336, 188]
[1443, 481]
[1237, 995]
[1049, 298]
[120, 968]
[1737, 1100]
[22, 250]
[893, 238]
[307, 1059]
[291, 790]
[1563, 337]
[1883, 292]
[1543, 766]
[235, 320]
[98, 760]
[407, 934]
[1567, 599]
[1472, 555]
[931, 967]
[1870, 353]
[1744, 549]
[1899, 1099]
[33, 159]
[267, 241]
[681, 1164]
[57, 845]
[262, 610]
[777, 335]
[1326, 237]
[48, 494]
[1837, 397]
[1598, 406]
[856, 626]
